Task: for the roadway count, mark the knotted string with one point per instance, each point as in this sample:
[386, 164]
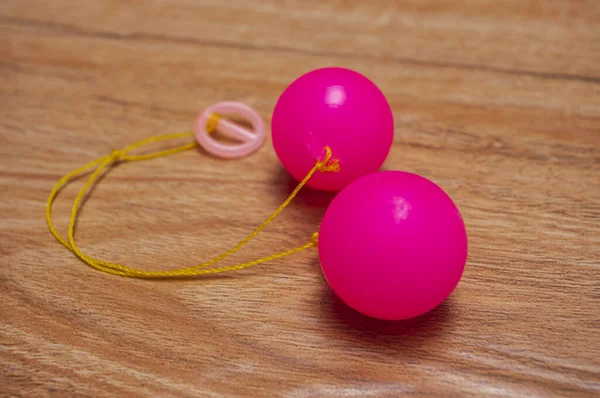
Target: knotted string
[326, 164]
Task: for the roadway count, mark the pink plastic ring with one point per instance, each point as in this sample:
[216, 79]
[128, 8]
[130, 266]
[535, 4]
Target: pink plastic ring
[251, 141]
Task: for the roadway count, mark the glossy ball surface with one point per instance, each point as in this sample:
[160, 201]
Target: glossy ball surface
[392, 245]
[333, 107]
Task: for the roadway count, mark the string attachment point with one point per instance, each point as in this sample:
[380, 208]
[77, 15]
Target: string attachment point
[328, 164]
[212, 123]
[315, 239]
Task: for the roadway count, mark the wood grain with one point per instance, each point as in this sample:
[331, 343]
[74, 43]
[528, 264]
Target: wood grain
[496, 101]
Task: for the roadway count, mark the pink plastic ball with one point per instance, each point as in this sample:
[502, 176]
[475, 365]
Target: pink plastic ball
[338, 108]
[392, 245]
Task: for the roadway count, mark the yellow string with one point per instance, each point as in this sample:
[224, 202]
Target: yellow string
[327, 164]
[212, 123]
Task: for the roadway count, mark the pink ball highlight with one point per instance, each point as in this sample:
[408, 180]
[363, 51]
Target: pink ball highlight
[392, 245]
[338, 108]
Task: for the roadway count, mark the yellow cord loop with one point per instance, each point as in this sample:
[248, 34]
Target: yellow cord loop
[327, 164]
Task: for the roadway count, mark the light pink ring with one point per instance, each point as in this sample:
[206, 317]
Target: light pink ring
[251, 141]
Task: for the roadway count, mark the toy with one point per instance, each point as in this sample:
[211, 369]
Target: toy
[392, 245]
[338, 108]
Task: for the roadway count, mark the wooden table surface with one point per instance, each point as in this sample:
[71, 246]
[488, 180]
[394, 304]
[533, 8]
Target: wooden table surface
[496, 101]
